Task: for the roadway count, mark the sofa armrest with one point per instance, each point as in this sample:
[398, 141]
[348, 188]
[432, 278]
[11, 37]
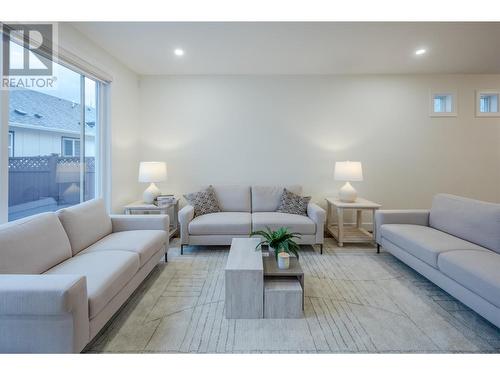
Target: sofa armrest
[43, 313]
[186, 214]
[140, 222]
[318, 215]
[415, 217]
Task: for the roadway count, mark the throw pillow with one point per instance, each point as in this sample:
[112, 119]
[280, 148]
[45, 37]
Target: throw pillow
[204, 202]
[291, 203]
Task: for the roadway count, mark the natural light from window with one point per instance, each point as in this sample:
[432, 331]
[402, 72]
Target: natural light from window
[52, 143]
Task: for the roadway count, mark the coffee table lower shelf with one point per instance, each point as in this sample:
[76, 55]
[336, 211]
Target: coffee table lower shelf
[272, 272]
[283, 298]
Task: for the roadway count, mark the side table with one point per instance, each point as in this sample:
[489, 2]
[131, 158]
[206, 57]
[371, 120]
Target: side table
[172, 210]
[350, 233]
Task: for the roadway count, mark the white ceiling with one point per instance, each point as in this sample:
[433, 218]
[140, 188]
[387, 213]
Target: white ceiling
[299, 47]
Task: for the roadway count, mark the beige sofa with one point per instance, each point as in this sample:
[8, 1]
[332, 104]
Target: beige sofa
[455, 244]
[246, 209]
[63, 275]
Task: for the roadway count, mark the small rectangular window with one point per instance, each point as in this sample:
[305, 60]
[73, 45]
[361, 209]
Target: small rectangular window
[11, 144]
[70, 147]
[443, 104]
[487, 103]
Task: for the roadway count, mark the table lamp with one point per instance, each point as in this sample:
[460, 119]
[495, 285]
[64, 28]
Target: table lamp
[348, 171]
[152, 171]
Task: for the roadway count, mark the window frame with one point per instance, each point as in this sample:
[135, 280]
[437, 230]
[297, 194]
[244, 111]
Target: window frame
[454, 103]
[103, 152]
[74, 140]
[490, 92]
[12, 143]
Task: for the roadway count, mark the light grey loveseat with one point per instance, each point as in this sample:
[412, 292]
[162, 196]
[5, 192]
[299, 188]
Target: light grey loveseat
[246, 209]
[63, 275]
[455, 244]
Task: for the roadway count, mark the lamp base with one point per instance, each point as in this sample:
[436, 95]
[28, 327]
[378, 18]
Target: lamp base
[347, 193]
[151, 193]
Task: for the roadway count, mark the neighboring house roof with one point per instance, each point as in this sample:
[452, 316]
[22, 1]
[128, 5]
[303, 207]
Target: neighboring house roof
[28, 107]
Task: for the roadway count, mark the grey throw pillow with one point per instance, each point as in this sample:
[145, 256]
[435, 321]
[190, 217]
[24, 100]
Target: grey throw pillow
[291, 203]
[204, 202]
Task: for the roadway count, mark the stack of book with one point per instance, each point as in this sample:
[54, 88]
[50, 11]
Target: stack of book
[165, 200]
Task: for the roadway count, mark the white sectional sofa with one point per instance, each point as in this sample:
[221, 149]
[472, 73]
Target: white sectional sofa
[455, 244]
[64, 275]
[246, 209]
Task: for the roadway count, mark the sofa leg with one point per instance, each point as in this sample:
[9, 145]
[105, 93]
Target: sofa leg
[378, 249]
[166, 256]
[321, 248]
[182, 249]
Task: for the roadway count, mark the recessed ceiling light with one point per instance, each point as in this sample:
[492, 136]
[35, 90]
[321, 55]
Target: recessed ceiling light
[420, 51]
[178, 52]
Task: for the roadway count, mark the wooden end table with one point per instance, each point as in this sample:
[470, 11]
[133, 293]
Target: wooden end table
[350, 233]
[172, 210]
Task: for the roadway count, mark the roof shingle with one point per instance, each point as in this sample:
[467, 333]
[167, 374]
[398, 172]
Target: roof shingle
[48, 111]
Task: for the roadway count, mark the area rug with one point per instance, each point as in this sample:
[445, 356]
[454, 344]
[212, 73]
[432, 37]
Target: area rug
[356, 301]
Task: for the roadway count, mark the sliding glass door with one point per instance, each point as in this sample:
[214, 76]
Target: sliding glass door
[53, 143]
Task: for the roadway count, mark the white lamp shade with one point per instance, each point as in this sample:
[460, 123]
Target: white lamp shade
[348, 171]
[152, 171]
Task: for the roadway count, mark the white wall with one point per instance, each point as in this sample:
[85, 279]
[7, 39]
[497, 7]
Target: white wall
[125, 126]
[291, 129]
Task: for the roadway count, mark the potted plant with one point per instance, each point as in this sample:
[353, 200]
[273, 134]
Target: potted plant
[281, 242]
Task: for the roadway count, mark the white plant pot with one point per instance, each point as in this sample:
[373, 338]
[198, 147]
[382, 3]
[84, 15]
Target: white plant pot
[283, 261]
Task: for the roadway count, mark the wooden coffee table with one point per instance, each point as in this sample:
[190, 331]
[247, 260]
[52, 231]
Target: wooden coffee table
[253, 277]
[295, 271]
[244, 279]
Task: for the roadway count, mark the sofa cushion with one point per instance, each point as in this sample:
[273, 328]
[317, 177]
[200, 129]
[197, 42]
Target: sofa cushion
[291, 203]
[478, 271]
[233, 198]
[33, 245]
[221, 223]
[107, 272]
[469, 219]
[144, 243]
[267, 198]
[275, 220]
[424, 243]
[85, 223]
[203, 201]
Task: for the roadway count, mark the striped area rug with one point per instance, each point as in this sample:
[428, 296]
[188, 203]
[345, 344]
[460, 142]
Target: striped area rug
[356, 301]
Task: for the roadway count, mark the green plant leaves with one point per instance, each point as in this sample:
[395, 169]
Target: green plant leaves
[280, 240]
